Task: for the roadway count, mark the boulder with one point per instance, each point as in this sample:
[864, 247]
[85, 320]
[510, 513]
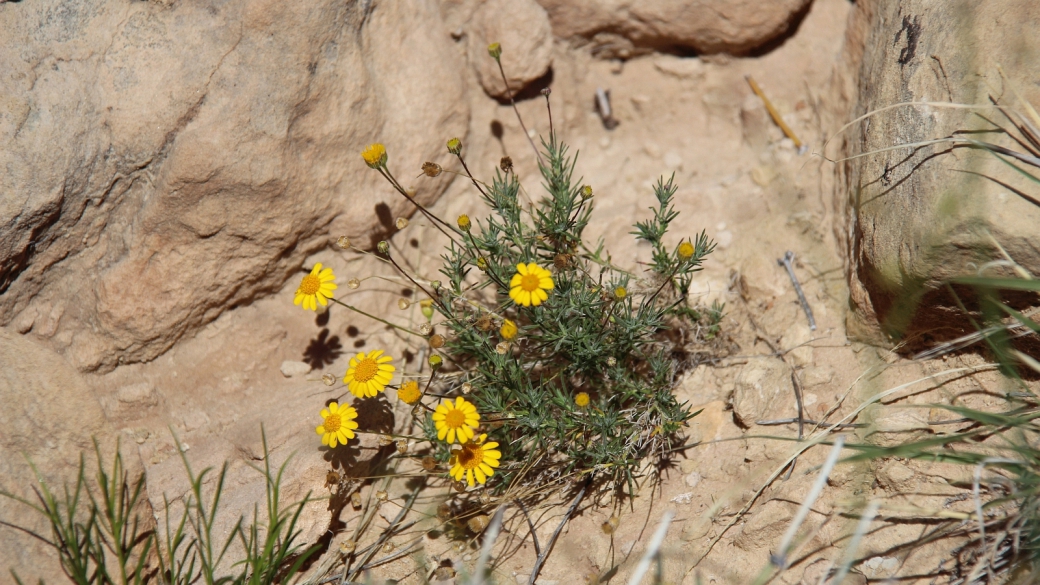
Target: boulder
[522, 29]
[916, 217]
[621, 27]
[165, 161]
[50, 417]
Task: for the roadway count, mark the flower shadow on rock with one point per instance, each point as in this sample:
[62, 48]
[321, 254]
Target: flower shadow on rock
[323, 350]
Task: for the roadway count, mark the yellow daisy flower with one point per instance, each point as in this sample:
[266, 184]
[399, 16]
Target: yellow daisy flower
[582, 399]
[508, 330]
[316, 288]
[374, 155]
[529, 284]
[409, 392]
[456, 420]
[475, 459]
[369, 374]
[338, 424]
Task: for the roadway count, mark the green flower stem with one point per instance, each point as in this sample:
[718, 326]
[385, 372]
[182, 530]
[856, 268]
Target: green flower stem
[471, 178]
[370, 316]
[489, 272]
[383, 170]
[509, 92]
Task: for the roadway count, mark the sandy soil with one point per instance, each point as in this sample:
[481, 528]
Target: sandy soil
[755, 195]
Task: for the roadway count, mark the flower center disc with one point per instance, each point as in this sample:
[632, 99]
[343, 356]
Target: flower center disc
[366, 370]
[332, 423]
[468, 457]
[455, 419]
[530, 282]
[310, 284]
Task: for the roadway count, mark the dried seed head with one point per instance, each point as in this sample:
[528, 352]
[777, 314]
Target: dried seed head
[385, 440]
[458, 546]
[328, 379]
[455, 146]
[403, 303]
[331, 479]
[388, 547]
[382, 496]
[506, 164]
[561, 261]
[347, 546]
[436, 341]
[444, 512]
[485, 323]
[383, 246]
[464, 223]
[495, 50]
[355, 500]
[467, 388]
[443, 573]
[484, 497]
[459, 486]
[343, 242]
[502, 348]
[611, 525]
[477, 524]
[546, 91]
[431, 169]
[425, 328]
[435, 361]
[429, 463]
[401, 223]
[353, 283]
[611, 361]
[402, 446]
[435, 285]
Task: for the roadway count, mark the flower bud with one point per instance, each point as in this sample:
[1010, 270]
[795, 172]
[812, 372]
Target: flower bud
[435, 361]
[495, 50]
[383, 246]
[546, 91]
[586, 192]
[464, 224]
[685, 251]
[620, 293]
[374, 155]
[455, 146]
[343, 242]
[508, 330]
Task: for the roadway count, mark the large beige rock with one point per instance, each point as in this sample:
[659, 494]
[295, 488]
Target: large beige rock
[522, 29]
[163, 163]
[707, 26]
[50, 417]
[915, 218]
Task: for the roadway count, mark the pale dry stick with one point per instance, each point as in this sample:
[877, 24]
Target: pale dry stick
[652, 549]
[1028, 107]
[780, 558]
[552, 540]
[490, 536]
[788, 263]
[850, 552]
